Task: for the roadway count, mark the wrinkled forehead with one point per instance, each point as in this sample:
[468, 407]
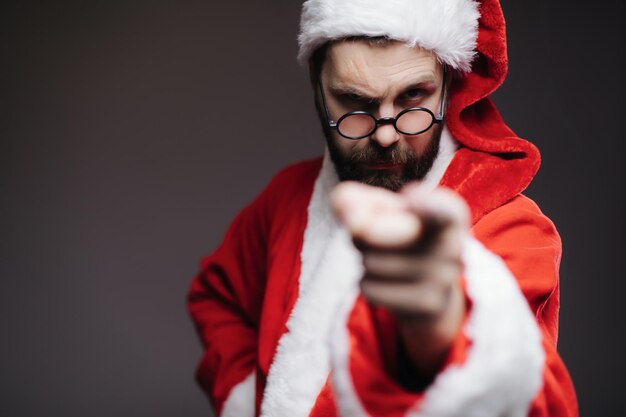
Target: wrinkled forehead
[375, 62]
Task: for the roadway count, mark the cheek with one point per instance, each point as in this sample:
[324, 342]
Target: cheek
[347, 147]
[420, 143]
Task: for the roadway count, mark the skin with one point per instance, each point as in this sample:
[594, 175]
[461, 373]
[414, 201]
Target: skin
[411, 240]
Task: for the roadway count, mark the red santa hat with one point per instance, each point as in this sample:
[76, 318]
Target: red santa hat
[493, 164]
[447, 27]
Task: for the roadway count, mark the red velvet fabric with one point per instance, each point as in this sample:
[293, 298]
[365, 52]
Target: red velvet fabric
[494, 164]
[242, 297]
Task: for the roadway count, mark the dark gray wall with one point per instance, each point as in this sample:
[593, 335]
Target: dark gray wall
[131, 133]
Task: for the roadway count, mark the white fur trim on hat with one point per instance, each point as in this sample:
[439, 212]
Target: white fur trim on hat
[449, 28]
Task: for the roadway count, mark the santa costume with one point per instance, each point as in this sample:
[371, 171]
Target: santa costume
[277, 306]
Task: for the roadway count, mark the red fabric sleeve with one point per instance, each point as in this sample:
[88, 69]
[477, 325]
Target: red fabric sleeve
[530, 245]
[224, 302]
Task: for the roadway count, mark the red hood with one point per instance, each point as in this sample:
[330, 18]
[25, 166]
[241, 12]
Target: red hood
[494, 164]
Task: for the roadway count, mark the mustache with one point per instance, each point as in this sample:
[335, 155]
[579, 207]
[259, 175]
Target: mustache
[373, 154]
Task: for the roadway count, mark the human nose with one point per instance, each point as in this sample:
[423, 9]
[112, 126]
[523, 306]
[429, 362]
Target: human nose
[386, 134]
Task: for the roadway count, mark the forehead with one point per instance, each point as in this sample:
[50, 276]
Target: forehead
[364, 62]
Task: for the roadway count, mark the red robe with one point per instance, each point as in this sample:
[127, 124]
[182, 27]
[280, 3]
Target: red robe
[277, 303]
[286, 333]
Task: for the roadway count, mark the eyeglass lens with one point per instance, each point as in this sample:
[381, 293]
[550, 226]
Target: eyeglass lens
[411, 122]
[356, 125]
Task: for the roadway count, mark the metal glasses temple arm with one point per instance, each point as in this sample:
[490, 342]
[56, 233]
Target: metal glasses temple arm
[332, 124]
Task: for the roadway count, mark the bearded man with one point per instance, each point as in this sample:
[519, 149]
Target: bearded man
[403, 273]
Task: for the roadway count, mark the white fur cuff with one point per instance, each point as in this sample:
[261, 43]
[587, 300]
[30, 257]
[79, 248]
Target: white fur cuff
[240, 401]
[504, 368]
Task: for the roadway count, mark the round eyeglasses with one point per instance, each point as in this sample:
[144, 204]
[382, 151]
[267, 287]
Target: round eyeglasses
[361, 124]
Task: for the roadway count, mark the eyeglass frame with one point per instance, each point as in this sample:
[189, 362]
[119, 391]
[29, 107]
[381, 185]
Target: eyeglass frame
[436, 119]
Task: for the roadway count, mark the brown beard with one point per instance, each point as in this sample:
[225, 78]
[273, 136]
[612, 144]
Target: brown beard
[351, 167]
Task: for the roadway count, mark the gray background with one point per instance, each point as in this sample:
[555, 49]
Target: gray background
[132, 132]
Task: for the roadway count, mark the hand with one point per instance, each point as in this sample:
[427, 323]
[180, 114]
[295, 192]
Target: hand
[411, 244]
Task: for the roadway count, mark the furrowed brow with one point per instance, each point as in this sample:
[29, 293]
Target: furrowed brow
[424, 81]
[344, 88]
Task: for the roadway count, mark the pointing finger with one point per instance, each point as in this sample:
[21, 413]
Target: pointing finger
[370, 213]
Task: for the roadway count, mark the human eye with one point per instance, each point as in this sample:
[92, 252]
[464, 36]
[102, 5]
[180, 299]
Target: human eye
[354, 97]
[414, 93]
[357, 101]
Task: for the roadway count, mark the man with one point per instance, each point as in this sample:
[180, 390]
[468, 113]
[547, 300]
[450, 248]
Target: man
[403, 273]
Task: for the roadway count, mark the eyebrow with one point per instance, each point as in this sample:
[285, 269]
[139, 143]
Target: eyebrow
[343, 87]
